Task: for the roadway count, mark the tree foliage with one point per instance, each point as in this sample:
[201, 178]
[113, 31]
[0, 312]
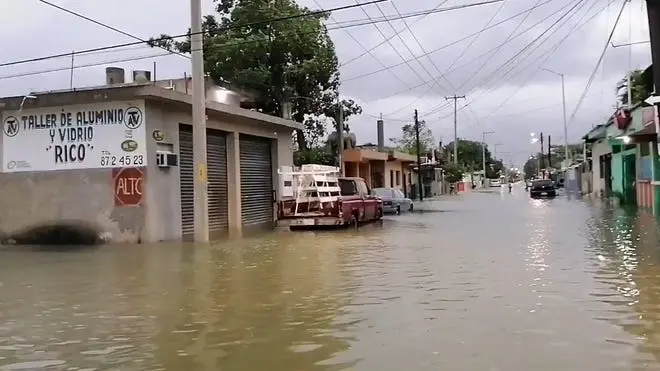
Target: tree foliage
[453, 172]
[641, 85]
[288, 60]
[407, 142]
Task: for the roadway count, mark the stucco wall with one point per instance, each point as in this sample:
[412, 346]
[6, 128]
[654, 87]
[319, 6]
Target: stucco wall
[599, 149]
[163, 216]
[28, 199]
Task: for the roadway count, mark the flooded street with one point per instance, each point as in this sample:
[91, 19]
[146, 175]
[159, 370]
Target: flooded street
[489, 282]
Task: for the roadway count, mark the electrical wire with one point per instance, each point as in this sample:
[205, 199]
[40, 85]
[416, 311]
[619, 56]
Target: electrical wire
[600, 60]
[385, 41]
[551, 51]
[433, 51]
[165, 38]
[122, 47]
[439, 107]
[340, 25]
[104, 25]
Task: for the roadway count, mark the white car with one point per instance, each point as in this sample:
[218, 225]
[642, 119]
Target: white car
[494, 182]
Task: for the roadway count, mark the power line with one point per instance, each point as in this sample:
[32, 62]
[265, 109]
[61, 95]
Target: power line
[165, 38]
[104, 25]
[441, 106]
[448, 44]
[600, 60]
[340, 25]
[551, 50]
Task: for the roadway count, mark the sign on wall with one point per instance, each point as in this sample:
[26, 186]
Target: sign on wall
[128, 186]
[89, 136]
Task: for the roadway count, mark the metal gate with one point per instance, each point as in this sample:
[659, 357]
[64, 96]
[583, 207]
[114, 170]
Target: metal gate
[216, 159]
[256, 181]
[187, 179]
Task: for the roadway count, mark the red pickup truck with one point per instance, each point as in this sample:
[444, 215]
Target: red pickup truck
[352, 206]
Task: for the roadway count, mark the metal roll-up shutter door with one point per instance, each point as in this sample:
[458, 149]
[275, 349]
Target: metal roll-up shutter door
[256, 181]
[187, 180]
[216, 158]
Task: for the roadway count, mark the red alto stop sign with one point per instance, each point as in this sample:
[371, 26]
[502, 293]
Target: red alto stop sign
[128, 186]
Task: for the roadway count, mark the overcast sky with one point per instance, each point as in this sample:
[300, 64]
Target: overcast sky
[506, 90]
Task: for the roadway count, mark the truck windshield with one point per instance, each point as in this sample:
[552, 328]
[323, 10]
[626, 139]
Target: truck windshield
[347, 187]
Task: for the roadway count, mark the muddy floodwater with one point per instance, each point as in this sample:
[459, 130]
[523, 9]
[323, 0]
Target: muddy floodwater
[488, 281]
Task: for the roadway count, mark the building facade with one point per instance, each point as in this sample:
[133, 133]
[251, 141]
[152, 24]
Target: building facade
[380, 169]
[121, 158]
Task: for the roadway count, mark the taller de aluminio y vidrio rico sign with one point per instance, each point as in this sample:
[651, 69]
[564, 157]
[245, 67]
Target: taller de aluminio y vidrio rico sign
[89, 136]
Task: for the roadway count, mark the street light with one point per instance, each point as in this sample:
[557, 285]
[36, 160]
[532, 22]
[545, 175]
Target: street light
[483, 154]
[563, 101]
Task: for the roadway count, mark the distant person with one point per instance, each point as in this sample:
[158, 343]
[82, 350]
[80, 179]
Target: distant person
[510, 186]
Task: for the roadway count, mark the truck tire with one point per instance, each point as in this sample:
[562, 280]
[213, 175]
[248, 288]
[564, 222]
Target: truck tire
[398, 210]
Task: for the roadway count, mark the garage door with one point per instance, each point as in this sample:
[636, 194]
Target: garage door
[187, 179]
[256, 181]
[216, 159]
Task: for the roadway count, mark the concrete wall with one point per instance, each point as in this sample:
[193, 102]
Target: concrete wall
[163, 218]
[29, 199]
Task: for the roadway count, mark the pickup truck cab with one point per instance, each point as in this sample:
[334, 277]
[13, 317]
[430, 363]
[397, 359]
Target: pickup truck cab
[352, 206]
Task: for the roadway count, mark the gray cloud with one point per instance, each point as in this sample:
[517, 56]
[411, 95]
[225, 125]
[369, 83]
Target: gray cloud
[37, 30]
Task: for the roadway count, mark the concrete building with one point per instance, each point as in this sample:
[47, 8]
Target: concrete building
[119, 156]
[387, 168]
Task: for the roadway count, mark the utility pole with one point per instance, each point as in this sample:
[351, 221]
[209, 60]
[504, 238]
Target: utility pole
[419, 160]
[549, 154]
[563, 103]
[455, 98]
[541, 158]
[340, 136]
[653, 11]
[483, 155]
[201, 209]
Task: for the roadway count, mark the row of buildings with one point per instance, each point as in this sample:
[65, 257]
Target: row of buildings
[622, 159]
[119, 156]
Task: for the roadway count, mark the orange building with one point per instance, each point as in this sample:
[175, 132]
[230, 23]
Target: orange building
[389, 169]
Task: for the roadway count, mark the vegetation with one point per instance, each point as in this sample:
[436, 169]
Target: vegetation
[407, 142]
[641, 85]
[453, 172]
[470, 156]
[289, 60]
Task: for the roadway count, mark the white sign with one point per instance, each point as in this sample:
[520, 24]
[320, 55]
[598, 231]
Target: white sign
[86, 136]
[652, 100]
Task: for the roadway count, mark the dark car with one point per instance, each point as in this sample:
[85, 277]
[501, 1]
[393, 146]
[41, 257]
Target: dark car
[542, 188]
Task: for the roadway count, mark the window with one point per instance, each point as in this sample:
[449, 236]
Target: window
[399, 194]
[347, 187]
[398, 178]
[391, 178]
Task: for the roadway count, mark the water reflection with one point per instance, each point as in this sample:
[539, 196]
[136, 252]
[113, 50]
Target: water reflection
[498, 283]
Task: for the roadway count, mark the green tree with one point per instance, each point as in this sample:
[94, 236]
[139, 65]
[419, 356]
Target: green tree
[290, 60]
[641, 85]
[407, 142]
[470, 154]
[453, 172]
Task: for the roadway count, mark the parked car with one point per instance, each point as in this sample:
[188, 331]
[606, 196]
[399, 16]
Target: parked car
[494, 182]
[394, 201]
[542, 188]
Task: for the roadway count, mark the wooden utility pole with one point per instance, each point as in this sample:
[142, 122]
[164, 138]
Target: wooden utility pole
[419, 159]
[455, 98]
